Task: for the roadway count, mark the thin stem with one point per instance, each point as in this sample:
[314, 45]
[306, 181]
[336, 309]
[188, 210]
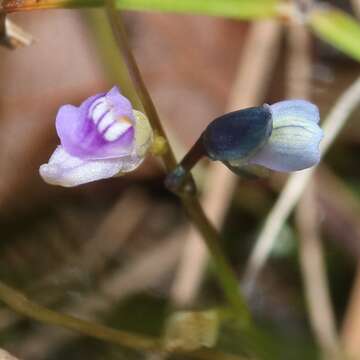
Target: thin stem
[178, 180]
[19, 303]
[223, 270]
[121, 38]
[193, 156]
[9, 6]
[225, 275]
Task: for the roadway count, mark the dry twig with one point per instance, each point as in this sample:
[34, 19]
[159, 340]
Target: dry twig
[337, 196]
[296, 184]
[320, 311]
[350, 330]
[356, 6]
[12, 35]
[313, 272]
[4, 355]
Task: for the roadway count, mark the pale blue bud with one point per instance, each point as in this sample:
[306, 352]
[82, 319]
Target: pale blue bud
[295, 138]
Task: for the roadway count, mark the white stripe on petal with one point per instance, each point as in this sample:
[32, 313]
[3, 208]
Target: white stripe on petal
[116, 130]
[107, 120]
[98, 109]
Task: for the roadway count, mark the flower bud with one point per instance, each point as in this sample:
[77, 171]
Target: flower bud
[237, 135]
[284, 137]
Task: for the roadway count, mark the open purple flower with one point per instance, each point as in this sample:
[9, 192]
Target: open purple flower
[101, 138]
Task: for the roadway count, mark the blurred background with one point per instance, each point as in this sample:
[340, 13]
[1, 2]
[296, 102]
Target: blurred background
[121, 251]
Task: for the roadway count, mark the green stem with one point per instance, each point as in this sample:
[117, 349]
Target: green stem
[20, 304]
[121, 38]
[223, 270]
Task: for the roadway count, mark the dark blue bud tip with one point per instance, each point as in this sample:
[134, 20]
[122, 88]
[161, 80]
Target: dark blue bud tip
[237, 135]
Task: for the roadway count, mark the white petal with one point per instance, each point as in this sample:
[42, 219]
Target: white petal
[295, 109]
[66, 170]
[291, 147]
[107, 120]
[294, 142]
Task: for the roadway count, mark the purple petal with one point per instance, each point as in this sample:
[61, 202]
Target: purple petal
[72, 126]
[86, 138]
[121, 104]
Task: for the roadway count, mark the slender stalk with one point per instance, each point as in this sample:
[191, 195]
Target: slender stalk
[19, 303]
[223, 270]
[179, 180]
[193, 156]
[225, 275]
[9, 6]
[121, 38]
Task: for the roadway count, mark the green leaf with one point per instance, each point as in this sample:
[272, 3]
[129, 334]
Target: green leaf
[338, 29]
[237, 9]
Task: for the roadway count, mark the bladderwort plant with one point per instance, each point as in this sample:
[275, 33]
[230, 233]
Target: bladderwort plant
[106, 137]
